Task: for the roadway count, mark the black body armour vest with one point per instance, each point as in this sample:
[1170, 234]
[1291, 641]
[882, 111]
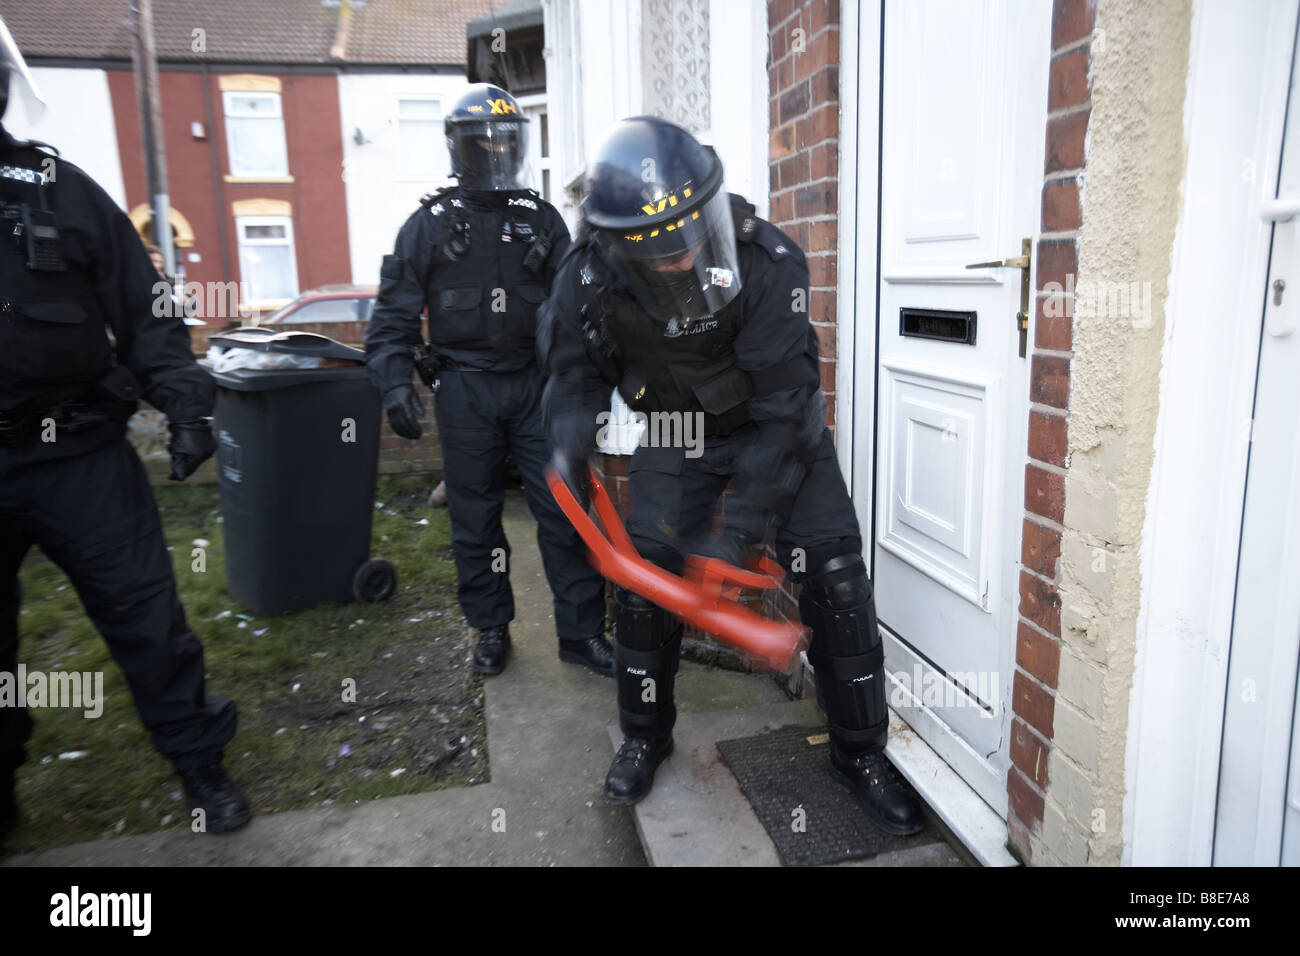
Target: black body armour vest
[54, 340]
[686, 366]
[681, 366]
[487, 279]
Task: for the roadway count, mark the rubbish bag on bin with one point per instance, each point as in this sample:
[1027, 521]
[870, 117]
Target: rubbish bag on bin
[229, 359]
[260, 347]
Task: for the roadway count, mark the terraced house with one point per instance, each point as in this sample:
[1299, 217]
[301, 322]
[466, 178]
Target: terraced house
[1051, 246]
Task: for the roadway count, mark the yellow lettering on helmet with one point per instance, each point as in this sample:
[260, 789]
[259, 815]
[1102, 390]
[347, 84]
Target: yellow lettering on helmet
[501, 106]
[671, 199]
[475, 109]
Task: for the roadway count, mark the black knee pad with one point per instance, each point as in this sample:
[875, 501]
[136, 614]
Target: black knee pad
[846, 652]
[840, 582]
[647, 646]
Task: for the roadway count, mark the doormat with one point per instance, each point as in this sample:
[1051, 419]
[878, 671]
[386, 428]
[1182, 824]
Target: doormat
[812, 819]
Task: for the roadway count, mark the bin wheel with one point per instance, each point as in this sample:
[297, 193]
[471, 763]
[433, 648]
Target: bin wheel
[376, 580]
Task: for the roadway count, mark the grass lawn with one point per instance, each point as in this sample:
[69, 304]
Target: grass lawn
[416, 723]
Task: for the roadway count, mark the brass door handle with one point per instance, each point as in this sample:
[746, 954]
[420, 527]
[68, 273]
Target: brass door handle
[1023, 263]
[1019, 262]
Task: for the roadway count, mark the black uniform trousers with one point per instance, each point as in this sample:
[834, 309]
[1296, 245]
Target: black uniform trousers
[482, 416]
[672, 503]
[94, 515]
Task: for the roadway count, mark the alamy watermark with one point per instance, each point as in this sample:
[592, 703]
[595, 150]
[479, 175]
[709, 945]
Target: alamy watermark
[656, 430]
[203, 300]
[931, 688]
[1110, 300]
[77, 690]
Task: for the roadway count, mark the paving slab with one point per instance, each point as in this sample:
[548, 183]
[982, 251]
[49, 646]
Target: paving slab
[697, 815]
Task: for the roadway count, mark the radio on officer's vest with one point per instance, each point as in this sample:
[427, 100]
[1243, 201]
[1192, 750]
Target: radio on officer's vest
[44, 245]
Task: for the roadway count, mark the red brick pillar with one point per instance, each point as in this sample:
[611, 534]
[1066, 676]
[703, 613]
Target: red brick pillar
[804, 119]
[1038, 636]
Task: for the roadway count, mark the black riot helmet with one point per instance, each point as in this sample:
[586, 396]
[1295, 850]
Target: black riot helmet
[654, 198]
[487, 136]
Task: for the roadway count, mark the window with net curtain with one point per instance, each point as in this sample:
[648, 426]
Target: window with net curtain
[255, 134]
[266, 258]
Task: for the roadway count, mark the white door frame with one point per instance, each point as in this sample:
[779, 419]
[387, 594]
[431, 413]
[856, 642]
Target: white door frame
[1238, 74]
[858, 285]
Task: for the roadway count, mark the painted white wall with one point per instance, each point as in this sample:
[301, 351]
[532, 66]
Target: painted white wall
[379, 197]
[738, 91]
[1237, 87]
[595, 77]
[610, 51]
[78, 120]
[563, 82]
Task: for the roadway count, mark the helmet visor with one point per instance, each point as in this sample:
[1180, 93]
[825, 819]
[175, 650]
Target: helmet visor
[21, 84]
[685, 268]
[489, 155]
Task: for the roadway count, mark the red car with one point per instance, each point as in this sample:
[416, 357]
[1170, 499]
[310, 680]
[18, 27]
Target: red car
[329, 303]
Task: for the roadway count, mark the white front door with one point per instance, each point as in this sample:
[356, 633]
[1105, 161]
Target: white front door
[964, 96]
[1257, 817]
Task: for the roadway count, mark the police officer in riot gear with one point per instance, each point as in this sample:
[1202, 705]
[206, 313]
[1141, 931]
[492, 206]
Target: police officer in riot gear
[72, 271]
[687, 302]
[481, 255]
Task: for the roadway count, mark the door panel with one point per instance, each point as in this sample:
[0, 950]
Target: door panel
[964, 94]
[936, 445]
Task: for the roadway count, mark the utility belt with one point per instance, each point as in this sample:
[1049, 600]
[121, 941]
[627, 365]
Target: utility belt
[428, 365]
[72, 417]
[109, 402]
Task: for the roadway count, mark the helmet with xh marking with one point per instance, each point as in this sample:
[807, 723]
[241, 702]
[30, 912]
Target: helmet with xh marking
[487, 137]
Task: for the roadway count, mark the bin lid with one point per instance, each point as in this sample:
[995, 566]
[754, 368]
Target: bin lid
[265, 380]
[291, 342]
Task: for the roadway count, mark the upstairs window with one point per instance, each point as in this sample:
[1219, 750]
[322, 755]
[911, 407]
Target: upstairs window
[421, 147]
[255, 134]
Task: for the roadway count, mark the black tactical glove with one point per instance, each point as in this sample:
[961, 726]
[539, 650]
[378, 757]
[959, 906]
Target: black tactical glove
[404, 411]
[191, 445]
[573, 437]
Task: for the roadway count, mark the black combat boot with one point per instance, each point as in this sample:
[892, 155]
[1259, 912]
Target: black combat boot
[595, 653]
[210, 790]
[880, 788]
[632, 773]
[490, 655]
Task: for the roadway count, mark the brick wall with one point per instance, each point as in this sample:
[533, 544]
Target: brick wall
[804, 119]
[1038, 637]
[804, 122]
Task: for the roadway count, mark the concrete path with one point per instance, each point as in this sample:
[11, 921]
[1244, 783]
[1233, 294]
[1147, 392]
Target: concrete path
[549, 749]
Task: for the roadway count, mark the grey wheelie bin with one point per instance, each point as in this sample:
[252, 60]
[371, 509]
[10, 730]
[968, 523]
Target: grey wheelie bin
[297, 456]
